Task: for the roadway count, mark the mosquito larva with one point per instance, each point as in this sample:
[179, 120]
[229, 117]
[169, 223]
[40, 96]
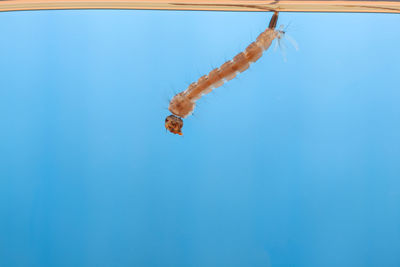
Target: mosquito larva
[183, 104]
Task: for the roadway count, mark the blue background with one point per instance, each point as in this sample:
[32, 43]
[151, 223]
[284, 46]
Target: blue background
[293, 163]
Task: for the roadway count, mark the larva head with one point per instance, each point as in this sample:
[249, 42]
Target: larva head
[174, 124]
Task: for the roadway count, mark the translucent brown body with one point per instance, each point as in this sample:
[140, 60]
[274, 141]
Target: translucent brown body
[183, 104]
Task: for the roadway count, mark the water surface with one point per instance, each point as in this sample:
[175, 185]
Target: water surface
[292, 164]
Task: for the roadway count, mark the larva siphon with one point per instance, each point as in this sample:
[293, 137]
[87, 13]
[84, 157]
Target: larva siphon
[183, 104]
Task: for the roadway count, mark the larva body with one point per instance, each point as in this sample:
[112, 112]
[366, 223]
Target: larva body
[183, 104]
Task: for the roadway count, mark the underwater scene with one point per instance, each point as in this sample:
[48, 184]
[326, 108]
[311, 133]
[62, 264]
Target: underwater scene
[294, 162]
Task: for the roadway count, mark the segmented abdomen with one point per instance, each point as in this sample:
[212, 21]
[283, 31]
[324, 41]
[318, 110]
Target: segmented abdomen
[231, 68]
[183, 104]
